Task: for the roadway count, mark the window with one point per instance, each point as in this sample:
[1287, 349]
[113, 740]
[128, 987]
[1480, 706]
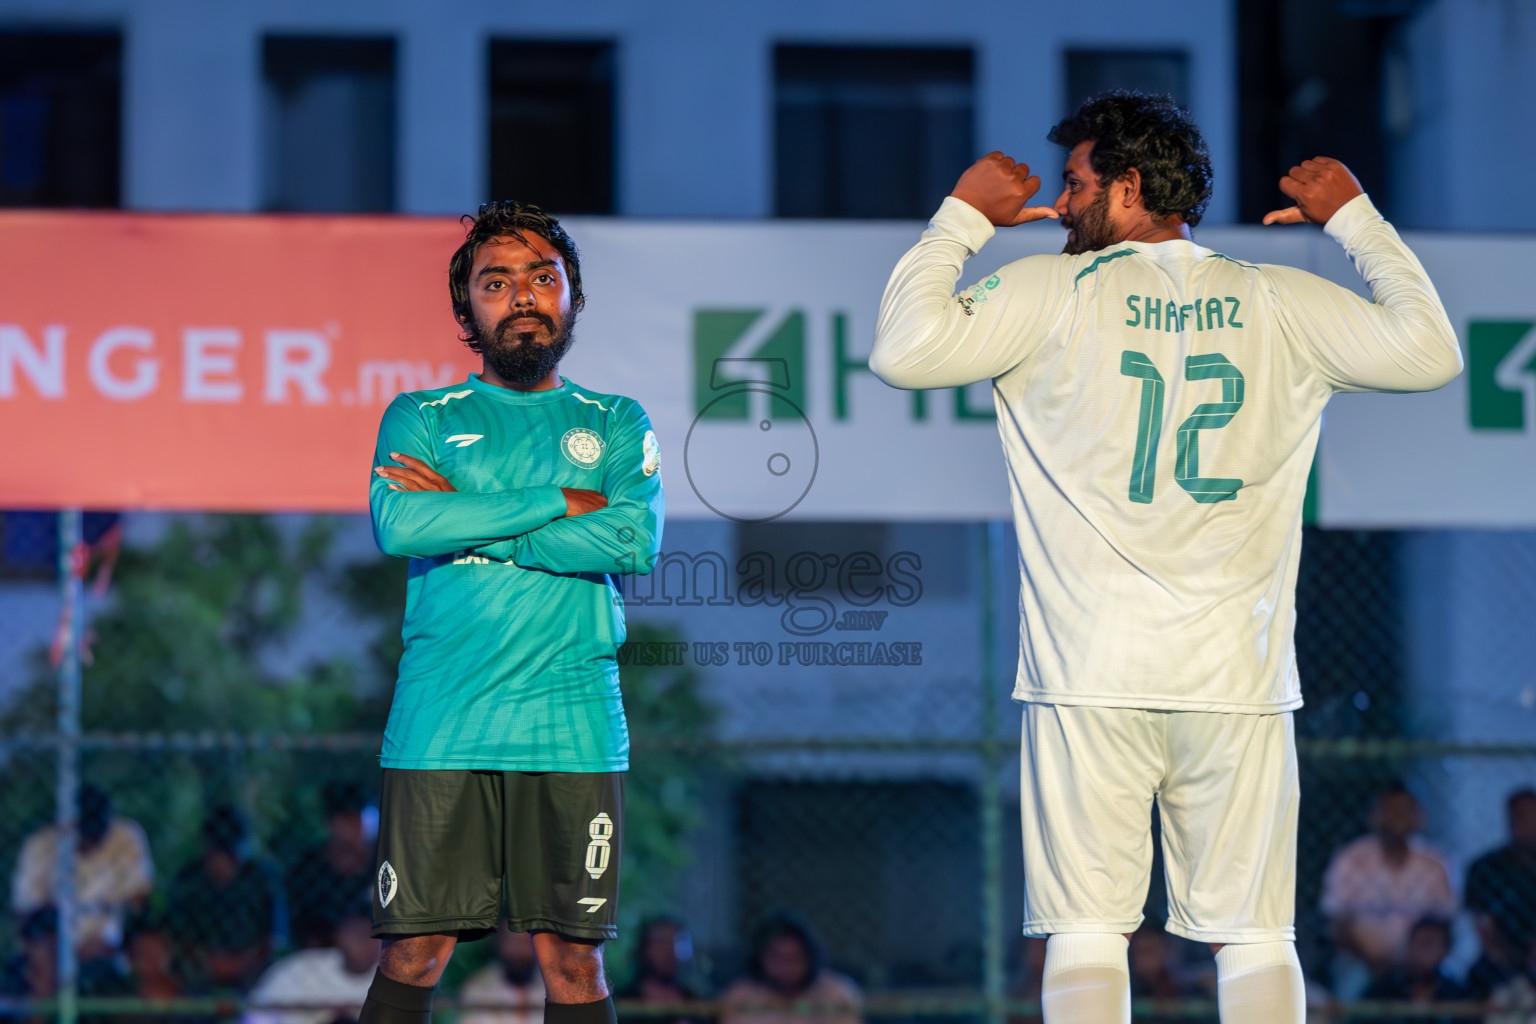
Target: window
[329, 124]
[870, 132]
[552, 124]
[1161, 72]
[60, 118]
[1316, 76]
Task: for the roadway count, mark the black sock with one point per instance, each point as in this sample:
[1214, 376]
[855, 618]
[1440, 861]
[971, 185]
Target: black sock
[600, 1012]
[394, 1002]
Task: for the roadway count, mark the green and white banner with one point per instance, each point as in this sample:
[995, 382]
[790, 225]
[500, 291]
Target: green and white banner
[748, 343]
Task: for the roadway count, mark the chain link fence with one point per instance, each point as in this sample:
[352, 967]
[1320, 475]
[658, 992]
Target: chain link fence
[823, 741]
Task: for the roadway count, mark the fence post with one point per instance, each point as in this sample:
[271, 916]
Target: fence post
[993, 971]
[66, 795]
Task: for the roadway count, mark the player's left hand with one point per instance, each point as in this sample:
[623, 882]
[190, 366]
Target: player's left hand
[998, 188]
[1320, 187]
[412, 475]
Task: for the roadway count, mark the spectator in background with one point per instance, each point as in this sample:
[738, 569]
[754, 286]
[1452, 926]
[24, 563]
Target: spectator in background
[1501, 894]
[511, 980]
[330, 876]
[114, 873]
[788, 983]
[1421, 977]
[151, 958]
[34, 972]
[224, 909]
[320, 985]
[663, 951]
[1151, 976]
[1514, 1002]
[1376, 887]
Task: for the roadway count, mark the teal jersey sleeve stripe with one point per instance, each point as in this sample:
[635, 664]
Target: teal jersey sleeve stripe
[1090, 268]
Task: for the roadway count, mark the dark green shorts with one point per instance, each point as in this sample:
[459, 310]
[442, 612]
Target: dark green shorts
[460, 849]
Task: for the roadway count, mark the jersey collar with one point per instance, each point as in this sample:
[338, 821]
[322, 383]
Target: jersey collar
[511, 397]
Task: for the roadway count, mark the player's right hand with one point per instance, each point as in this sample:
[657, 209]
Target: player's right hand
[1320, 186]
[412, 475]
[999, 188]
[578, 500]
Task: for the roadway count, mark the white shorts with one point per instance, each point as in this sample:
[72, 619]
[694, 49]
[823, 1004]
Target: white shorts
[1226, 789]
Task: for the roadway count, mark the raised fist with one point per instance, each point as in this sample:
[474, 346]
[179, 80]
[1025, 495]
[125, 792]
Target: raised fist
[1320, 186]
[999, 188]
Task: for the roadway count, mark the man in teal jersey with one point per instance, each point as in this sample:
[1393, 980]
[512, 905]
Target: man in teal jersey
[519, 498]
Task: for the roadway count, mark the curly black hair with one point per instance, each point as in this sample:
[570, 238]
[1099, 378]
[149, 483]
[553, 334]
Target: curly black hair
[502, 219]
[1152, 134]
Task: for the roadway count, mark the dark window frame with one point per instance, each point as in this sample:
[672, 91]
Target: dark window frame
[588, 183]
[76, 159]
[291, 61]
[836, 72]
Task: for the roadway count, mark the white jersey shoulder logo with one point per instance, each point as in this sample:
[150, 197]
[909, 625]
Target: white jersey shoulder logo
[448, 397]
[463, 440]
[590, 401]
[582, 446]
[651, 450]
[388, 883]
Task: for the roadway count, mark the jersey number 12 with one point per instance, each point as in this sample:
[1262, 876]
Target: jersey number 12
[1209, 416]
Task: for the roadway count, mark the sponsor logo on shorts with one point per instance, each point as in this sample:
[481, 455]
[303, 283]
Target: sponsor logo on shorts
[582, 446]
[599, 850]
[388, 883]
[592, 903]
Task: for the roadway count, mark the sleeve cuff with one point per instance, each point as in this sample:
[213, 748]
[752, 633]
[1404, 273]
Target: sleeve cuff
[549, 501]
[1349, 219]
[959, 220]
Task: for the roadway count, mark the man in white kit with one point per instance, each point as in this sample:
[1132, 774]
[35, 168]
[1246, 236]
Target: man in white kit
[1159, 407]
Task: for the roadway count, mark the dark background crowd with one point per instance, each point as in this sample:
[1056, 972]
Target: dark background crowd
[292, 943]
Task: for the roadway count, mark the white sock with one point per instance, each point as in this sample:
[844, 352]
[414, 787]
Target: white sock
[1087, 980]
[1260, 983]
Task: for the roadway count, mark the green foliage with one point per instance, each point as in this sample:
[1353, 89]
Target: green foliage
[670, 728]
[185, 646]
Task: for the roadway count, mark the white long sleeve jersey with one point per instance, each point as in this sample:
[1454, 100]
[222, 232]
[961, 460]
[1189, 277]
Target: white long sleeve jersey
[1159, 407]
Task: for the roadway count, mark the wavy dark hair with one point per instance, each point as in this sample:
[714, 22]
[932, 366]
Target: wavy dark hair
[1152, 134]
[502, 219]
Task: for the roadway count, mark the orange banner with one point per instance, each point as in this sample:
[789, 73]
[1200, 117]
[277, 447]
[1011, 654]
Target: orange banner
[213, 362]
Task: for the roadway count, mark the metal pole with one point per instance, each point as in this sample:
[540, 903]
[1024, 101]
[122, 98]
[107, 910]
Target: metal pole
[993, 969]
[66, 797]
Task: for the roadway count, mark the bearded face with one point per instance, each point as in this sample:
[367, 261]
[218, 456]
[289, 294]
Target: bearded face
[525, 346]
[1091, 229]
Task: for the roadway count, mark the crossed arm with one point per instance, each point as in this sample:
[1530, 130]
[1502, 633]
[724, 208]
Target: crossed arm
[418, 513]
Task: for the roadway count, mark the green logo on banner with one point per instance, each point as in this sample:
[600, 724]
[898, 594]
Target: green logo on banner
[1501, 373]
[743, 347]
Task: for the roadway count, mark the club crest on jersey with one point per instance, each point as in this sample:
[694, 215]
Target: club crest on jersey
[652, 452]
[582, 446]
[388, 883]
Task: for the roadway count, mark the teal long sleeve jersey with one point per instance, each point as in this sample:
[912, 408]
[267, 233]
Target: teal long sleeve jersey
[513, 615]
